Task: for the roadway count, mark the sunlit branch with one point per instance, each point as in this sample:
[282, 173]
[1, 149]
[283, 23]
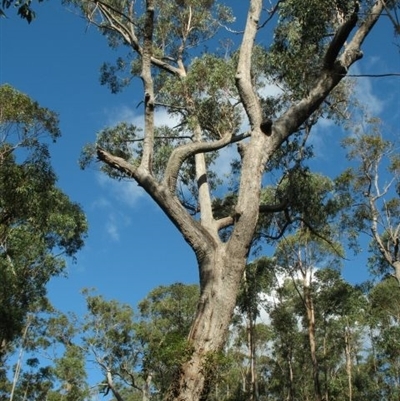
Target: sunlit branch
[183, 152]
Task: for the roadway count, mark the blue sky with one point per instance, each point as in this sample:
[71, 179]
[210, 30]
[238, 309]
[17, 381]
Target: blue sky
[132, 247]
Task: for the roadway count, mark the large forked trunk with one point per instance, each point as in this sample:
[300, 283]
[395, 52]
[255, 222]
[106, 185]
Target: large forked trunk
[219, 281]
[221, 265]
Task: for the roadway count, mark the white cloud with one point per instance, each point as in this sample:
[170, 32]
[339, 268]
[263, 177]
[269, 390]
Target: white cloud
[112, 228]
[123, 113]
[365, 94]
[125, 192]
[270, 89]
[135, 117]
[101, 203]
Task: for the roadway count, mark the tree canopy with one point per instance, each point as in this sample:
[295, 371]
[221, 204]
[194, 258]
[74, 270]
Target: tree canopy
[39, 224]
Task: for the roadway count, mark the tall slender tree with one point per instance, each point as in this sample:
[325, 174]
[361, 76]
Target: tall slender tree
[375, 187]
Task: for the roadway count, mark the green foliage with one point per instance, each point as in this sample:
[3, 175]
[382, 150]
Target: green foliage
[38, 222]
[301, 37]
[70, 371]
[154, 343]
[172, 23]
[205, 96]
[370, 185]
[166, 316]
[301, 199]
[110, 331]
[119, 140]
[259, 278]
[24, 9]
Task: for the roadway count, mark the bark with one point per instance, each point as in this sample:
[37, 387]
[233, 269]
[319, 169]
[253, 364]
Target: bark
[19, 360]
[219, 281]
[251, 375]
[146, 393]
[326, 393]
[349, 364]
[392, 258]
[111, 386]
[308, 300]
[253, 396]
[292, 393]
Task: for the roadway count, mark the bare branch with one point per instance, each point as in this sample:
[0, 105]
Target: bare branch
[271, 14]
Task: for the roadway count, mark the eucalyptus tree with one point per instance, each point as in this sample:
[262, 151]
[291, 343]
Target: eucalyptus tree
[109, 338]
[375, 187]
[300, 256]
[219, 98]
[384, 299]
[257, 281]
[289, 371]
[39, 224]
[341, 311]
[165, 317]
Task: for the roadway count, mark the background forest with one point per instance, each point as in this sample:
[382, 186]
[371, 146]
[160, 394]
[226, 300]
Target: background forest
[250, 126]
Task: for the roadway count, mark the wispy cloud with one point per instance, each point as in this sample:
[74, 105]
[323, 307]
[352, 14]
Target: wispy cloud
[364, 92]
[115, 195]
[112, 228]
[135, 117]
[125, 192]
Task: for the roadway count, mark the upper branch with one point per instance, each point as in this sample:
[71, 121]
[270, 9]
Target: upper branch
[340, 38]
[120, 26]
[247, 93]
[125, 26]
[331, 74]
[116, 162]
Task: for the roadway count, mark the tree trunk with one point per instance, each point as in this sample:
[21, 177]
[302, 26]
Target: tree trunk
[347, 340]
[291, 394]
[146, 393]
[19, 361]
[326, 392]
[312, 341]
[219, 282]
[253, 396]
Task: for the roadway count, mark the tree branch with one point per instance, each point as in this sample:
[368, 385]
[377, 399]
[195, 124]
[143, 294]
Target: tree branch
[183, 152]
[246, 91]
[195, 235]
[329, 77]
[340, 38]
